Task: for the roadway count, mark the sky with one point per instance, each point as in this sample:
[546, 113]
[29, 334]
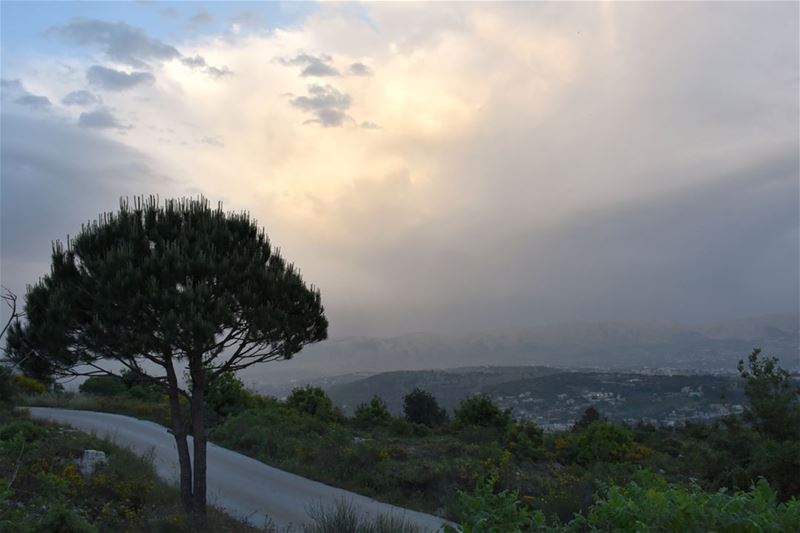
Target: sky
[429, 166]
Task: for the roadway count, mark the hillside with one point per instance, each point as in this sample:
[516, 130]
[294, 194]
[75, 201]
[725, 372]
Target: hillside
[607, 345]
[552, 397]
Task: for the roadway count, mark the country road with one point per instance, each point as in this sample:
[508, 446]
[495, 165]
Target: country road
[242, 486]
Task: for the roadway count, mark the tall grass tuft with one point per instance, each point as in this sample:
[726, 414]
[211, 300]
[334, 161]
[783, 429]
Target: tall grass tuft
[343, 517]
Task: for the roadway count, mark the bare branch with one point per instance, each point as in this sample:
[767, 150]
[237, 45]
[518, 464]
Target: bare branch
[11, 301]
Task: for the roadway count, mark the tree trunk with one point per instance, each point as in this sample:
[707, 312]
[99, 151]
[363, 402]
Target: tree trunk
[179, 432]
[200, 439]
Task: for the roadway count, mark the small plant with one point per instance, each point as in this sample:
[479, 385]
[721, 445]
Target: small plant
[343, 517]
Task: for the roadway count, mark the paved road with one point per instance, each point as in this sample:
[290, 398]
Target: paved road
[242, 486]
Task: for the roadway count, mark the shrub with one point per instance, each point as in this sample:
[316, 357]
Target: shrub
[7, 390]
[774, 397]
[28, 385]
[589, 415]
[62, 519]
[524, 440]
[374, 413]
[228, 396]
[311, 400]
[603, 441]
[653, 505]
[103, 386]
[421, 407]
[27, 431]
[481, 411]
[484, 511]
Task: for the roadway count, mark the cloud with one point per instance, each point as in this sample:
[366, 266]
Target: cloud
[359, 69]
[534, 163]
[248, 19]
[201, 18]
[132, 46]
[193, 62]
[55, 177]
[100, 118]
[213, 141]
[326, 103]
[122, 43]
[218, 73]
[14, 91]
[116, 80]
[313, 66]
[367, 125]
[199, 62]
[33, 101]
[81, 98]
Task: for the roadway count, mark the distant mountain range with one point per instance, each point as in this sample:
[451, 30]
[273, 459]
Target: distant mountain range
[598, 345]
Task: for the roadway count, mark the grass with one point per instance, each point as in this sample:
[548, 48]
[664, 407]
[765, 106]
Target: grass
[343, 517]
[157, 412]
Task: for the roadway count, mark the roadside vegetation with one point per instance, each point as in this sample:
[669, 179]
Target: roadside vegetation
[492, 473]
[42, 489]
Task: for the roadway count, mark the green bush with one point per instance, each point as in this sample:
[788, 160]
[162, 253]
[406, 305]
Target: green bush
[481, 411]
[487, 511]
[374, 413]
[653, 505]
[311, 400]
[103, 386]
[8, 392]
[603, 441]
[421, 407]
[524, 440]
[29, 385]
[227, 396]
[774, 397]
[589, 416]
[62, 519]
[27, 431]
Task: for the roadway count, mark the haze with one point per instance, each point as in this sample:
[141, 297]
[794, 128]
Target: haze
[431, 167]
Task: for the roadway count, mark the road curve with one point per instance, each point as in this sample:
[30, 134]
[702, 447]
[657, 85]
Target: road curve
[242, 486]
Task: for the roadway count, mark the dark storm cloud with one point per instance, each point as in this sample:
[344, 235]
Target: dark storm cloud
[359, 69]
[313, 66]
[327, 104]
[101, 118]
[81, 98]
[116, 80]
[122, 43]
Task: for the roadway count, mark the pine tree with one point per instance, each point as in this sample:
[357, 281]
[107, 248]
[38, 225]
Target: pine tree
[168, 286]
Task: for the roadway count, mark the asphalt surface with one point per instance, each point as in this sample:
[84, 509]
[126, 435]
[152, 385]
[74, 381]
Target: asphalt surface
[243, 487]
